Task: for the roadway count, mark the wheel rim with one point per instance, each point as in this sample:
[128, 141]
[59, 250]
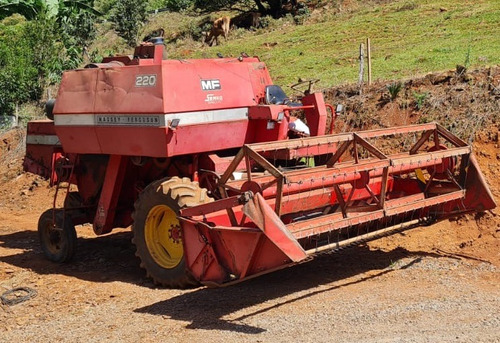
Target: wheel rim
[53, 238]
[163, 236]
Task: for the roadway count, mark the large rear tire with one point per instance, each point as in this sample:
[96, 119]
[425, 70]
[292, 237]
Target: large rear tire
[157, 233]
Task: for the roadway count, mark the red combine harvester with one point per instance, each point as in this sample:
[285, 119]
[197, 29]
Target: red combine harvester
[219, 180]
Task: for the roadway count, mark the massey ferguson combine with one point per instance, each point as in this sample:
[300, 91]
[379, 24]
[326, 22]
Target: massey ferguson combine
[219, 179]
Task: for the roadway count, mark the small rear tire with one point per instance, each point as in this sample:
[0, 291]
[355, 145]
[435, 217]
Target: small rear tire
[57, 239]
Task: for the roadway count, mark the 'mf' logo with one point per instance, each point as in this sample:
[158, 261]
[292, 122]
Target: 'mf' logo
[210, 85]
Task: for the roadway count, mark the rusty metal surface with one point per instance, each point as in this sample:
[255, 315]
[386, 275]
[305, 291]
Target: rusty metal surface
[397, 130]
[293, 207]
[280, 209]
[268, 221]
[478, 195]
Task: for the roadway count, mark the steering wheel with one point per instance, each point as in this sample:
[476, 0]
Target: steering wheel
[301, 82]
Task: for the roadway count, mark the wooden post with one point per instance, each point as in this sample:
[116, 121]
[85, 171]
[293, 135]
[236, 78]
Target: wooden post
[16, 121]
[369, 56]
[361, 63]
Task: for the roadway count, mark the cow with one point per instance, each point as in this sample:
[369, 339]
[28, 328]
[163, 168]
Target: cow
[247, 20]
[219, 27]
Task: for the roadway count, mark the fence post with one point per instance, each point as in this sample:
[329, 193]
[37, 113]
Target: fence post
[361, 63]
[369, 56]
[16, 121]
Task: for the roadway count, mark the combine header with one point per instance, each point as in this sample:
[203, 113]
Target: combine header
[218, 178]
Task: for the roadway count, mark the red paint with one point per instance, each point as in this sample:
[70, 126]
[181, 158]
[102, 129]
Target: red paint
[124, 108]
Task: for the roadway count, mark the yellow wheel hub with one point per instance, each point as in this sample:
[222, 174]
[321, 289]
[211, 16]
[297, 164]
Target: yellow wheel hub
[163, 236]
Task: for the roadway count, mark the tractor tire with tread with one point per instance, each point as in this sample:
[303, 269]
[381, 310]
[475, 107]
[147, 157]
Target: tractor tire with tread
[155, 220]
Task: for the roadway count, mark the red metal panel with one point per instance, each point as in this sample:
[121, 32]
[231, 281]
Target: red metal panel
[265, 131]
[77, 92]
[40, 127]
[38, 160]
[80, 139]
[133, 141]
[268, 112]
[212, 259]
[478, 195]
[199, 255]
[40, 147]
[316, 118]
[206, 137]
[153, 141]
[183, 84]
[178, 87]
[299, 143]
[412, 206]
[117, 90]
[399, 130]
[268, 221]
[216, 163]
[259, 78]
[227, 242]
[115, 172]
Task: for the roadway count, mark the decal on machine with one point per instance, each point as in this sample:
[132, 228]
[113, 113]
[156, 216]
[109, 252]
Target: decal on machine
[154, 120]
[145, 80]
[210, 85]
[129, 120]
[213, 99]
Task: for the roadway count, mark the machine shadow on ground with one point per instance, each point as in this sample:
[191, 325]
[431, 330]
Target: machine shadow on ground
[111, 258]
[206, 308]
[99, 259]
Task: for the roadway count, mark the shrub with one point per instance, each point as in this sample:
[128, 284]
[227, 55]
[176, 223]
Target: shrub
[19, 81]
[178, 5]
[420, 99]
[394, 89]
[30, 58]
[128, 16]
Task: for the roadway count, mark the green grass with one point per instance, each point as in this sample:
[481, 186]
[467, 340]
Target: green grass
[408, 38]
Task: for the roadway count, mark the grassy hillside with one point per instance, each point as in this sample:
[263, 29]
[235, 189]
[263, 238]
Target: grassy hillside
[408, 38]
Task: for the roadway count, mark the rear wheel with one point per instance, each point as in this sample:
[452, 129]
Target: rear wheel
[57, 238]
[157, 232]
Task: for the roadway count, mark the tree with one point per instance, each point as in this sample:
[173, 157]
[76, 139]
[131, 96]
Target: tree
[128, 16]
[25, 59]
[265, 7]
[275, 6]
[30, 9]
[77, 28]
[75, 21]
[34, 52]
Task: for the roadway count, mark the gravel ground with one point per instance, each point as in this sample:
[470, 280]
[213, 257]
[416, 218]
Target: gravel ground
[434, 284]
[359, 295]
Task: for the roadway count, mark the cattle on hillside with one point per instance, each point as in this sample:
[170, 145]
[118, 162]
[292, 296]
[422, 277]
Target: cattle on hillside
[247, 20]
[219, 27]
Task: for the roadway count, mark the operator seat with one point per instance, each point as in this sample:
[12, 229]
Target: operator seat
[276, 96]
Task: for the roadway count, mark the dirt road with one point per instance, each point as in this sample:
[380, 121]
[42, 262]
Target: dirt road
[432, 284]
